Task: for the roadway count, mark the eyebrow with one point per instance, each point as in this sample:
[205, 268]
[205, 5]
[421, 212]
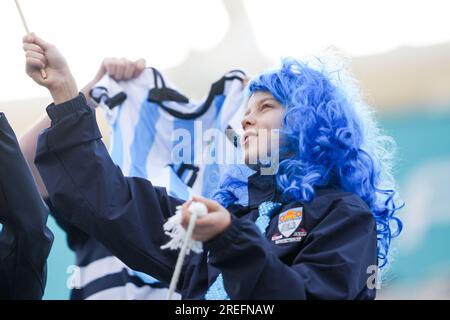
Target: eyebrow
[266, 99]
[259, 102]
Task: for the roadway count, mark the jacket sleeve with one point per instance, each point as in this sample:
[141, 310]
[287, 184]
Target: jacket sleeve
[89, 191]
[331, 264]
[25, 240]
[74, 236]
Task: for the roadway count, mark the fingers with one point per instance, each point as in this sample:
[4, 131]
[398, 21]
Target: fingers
[204, 223]
[186, 215]
[140, 66]
[110, 67]
[43, 44]
[209, 226]
[31, 49]
[129, 71]
[35, 63]
[34, 53]
[34, 39]
[217, 219]
[123, 69]
[29, 40]
[202, 227]
[28, 46]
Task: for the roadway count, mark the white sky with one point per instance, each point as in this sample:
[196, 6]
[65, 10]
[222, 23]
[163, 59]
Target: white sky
[163, 31]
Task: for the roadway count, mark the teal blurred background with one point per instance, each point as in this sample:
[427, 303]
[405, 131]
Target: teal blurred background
[421, 262]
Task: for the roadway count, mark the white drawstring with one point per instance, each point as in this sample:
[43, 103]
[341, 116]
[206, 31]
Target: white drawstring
[183, 238]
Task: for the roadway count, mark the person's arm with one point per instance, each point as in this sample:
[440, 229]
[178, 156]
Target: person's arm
[84, 185]
[25, 240]
[28, 144]
[332, 264]
[117, 68]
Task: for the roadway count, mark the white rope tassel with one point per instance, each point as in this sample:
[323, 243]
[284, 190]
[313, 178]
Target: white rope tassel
[182, 238]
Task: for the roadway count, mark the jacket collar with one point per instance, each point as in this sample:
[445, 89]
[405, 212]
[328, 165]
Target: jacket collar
[261, 188]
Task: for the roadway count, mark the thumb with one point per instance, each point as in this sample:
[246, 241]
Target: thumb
[210, 204]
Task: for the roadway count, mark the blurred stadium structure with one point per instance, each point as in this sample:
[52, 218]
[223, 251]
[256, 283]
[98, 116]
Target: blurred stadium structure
[410, 87]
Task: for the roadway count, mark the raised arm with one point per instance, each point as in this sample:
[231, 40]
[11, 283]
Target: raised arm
[119, 69]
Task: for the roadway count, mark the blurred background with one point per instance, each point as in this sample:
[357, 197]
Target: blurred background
[399, 52]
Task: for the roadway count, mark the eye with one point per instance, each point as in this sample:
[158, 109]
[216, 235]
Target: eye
[266, 106]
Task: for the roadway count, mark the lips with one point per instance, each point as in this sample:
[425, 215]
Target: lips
[247, 134]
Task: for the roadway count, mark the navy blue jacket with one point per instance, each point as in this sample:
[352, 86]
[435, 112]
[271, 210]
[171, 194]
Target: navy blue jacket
[326, 256]
[25, 241]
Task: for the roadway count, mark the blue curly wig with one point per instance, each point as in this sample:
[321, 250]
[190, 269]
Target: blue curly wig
[333, 139]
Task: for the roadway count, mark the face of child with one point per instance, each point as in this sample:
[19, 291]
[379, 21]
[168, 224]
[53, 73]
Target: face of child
[261, 123]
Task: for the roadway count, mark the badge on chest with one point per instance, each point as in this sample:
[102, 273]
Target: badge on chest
[288, 226]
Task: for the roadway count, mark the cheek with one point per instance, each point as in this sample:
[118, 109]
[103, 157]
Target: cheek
[274, 124]
[268, 140]
[274, 120]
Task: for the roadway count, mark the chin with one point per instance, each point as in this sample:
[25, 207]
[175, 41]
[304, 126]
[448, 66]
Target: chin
[250, 155]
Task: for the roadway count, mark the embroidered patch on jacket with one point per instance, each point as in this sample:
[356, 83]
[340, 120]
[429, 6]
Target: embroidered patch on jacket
[288, 226]
[289, 221]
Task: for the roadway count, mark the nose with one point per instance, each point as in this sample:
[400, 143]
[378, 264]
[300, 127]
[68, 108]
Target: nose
[248, 120]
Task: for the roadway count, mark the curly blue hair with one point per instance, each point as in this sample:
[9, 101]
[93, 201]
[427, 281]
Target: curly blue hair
[333, 139]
